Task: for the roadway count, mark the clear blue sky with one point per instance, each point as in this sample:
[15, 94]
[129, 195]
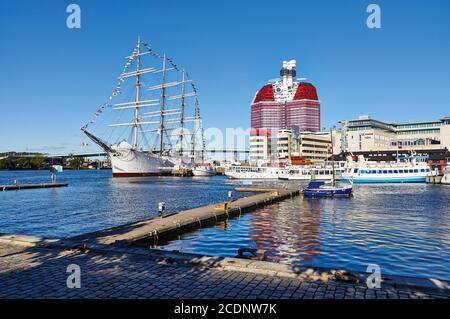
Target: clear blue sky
[54, 78]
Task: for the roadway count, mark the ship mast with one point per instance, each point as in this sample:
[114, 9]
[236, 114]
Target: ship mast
[332, 158]
[163, 98]
[138, 84]
[182, 115]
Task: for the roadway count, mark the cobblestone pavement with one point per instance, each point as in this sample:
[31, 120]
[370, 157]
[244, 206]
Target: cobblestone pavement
[37, 272]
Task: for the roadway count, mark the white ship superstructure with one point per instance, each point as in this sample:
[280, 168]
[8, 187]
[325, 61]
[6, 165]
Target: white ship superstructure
[154, 114]
[314, 172]
[411, 171]
[254, 172]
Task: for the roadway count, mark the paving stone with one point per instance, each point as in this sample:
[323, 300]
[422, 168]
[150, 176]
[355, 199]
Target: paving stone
[32, 272]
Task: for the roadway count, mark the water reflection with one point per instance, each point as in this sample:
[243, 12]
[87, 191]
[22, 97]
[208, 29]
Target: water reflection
[94, 200]
[403, 228]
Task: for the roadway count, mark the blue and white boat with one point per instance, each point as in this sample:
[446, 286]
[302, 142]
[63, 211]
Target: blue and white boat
[320, 189]
[409, 171]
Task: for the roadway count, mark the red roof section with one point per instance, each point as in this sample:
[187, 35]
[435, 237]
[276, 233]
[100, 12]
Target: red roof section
[259, 132]
[265, 94]
[306, 91]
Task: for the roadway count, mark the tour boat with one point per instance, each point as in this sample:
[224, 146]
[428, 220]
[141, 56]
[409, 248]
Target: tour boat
[411, 171]
[446, 178]
[254, 172]
[204, 169]
[317, 172]
[320, 189]
[155, 111]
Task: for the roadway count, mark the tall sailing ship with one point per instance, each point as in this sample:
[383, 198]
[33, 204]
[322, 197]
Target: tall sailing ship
[159, 125]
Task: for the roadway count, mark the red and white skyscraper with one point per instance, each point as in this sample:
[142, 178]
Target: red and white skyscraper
[284, 104]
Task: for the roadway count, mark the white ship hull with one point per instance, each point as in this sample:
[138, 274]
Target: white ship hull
[390, 173]
[204, 171]
[126, 162]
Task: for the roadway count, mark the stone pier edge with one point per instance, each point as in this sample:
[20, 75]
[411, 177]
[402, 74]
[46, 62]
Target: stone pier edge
[310, 274]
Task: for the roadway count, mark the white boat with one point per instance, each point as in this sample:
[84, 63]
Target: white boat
[155, 109]
[254, 172]
[204, 169]
[446, 178]
[317, 172]
[411, 171]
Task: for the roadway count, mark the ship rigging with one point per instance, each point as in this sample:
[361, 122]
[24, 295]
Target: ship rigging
[164, 108]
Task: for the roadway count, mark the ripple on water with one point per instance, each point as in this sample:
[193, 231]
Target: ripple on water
[403, 228]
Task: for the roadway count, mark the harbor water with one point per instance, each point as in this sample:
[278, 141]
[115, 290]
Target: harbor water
[404, 228]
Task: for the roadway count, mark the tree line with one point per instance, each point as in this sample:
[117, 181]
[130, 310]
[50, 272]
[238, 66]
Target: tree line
[36, 162]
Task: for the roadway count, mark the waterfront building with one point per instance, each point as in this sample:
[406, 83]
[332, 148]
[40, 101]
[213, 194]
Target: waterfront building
[315, 147]
[284, 103]
[381, 141]
[284, 144]
[366, 134]
[259, 146]
[312, 147]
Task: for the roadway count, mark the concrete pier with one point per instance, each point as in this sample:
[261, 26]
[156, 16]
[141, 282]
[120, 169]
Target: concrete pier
[434, 179]
[15, 187]
[151, 231]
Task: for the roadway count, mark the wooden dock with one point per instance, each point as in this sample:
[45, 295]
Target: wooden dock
[157, 229]
[16, 187]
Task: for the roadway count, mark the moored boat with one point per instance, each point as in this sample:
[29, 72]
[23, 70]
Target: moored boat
[153, 113]
[411, 171]
[320, 189]
[254, 172]
[204, 169]
[315, 172]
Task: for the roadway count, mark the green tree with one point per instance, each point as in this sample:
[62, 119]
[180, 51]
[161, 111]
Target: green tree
[76, 162]
[4, 163]
[37, 162]
[23, 163]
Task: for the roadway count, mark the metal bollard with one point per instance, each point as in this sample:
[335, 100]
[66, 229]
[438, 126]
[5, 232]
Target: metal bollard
[230, 196]
[161, 208]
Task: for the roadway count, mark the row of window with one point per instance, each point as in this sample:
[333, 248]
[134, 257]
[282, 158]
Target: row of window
[396, 171]
[421, 125]
[430, 131]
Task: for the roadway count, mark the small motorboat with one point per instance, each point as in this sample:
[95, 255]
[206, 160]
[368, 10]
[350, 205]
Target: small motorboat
[204, 169]
[320, 189]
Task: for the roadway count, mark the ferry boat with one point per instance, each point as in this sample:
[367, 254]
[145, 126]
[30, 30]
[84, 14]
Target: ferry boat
[446, 177]
[254, 172]
[159, 105]
[318, 172]
[410, 171]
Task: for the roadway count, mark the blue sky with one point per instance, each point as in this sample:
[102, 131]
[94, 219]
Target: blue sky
[54, 78]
